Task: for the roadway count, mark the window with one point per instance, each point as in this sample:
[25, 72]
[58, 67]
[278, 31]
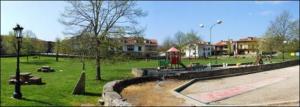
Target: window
[130, 47]
[139, 48]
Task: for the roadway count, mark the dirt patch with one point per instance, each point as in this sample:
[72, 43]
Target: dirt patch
[153, 93]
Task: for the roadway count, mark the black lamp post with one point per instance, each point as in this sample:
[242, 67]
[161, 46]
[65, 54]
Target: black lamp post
[18, 32]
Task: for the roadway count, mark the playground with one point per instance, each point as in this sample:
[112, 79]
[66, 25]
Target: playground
[173, 64]
[173, 58]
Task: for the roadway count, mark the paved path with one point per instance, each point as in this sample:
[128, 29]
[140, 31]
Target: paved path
[259, 88]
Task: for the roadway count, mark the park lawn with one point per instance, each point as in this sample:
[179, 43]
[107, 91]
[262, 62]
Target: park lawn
[233, 60]
[59, 85]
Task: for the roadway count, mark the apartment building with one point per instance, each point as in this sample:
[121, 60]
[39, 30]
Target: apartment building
[139, 47]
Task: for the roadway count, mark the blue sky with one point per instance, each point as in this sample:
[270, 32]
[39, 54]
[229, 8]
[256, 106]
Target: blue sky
[165, 18]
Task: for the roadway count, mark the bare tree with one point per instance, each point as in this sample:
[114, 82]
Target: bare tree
[293, 44]
[99, 18]
[191, 36]
[167, 43]
[277, 32]
[179, 39]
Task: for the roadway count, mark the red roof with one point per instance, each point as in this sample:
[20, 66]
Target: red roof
[136, 40]
[248, 39]
[173, 49]
[153, 41]
[221, 43]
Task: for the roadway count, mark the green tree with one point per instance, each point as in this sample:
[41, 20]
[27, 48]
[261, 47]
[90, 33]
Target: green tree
[27, 44]
[40, 46]
[11, 43]
[57, 48]
[66, 46]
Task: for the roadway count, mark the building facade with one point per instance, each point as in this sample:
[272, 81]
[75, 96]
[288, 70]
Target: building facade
[246, 46]
[242, 46]
[197, 49]
[139, 47]
[224, 47]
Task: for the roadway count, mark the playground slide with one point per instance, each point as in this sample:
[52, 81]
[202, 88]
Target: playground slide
[182, 65]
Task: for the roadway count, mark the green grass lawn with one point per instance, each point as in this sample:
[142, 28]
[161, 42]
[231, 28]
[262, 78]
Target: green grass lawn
[59, 85]
[232, 60]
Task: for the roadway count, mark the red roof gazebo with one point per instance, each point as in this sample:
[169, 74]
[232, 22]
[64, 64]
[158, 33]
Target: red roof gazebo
[173, 49]
[173, 55]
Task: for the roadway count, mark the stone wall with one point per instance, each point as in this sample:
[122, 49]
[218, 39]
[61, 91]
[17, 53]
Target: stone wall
[111, 97]
[111, 90]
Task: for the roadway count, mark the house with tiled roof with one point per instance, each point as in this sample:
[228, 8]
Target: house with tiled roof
[197, 49]
[223, 47]
[139, 47]
[247, 45]
[242, 46]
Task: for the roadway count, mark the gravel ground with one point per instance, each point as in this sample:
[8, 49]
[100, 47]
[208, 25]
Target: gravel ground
[152, 94]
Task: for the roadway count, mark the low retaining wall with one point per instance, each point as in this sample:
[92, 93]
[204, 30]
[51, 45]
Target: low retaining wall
[143, 72]
[111, 90]
[140, 72]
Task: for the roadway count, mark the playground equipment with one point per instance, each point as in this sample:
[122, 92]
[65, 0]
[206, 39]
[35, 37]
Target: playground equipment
[259, 60]
[173, 58]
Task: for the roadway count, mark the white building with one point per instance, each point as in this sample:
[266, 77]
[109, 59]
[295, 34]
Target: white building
[197, 49]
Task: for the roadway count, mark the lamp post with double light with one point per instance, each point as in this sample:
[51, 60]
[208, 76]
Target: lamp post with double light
[210, 32]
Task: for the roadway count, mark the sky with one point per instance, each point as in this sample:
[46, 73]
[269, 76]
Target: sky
[165, 18]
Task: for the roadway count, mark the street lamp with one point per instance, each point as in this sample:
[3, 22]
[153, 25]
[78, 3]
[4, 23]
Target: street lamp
[201, 26]
[210, 30]
[284, 42]
[18, 32]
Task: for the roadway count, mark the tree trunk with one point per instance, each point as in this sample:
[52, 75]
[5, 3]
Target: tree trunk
[56, 56]
[83, 66]
[98, 72]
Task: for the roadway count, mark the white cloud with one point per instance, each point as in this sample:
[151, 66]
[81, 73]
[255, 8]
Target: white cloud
[270, 2]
